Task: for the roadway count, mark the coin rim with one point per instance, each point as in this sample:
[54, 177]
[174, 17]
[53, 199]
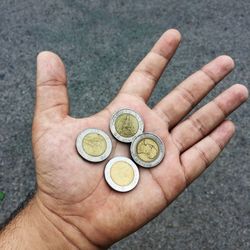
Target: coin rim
[160, 145]
[126, 111]
[88, 157]
[115, 186]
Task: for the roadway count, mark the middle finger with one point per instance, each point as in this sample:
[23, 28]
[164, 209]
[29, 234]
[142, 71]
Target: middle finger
[186, 95]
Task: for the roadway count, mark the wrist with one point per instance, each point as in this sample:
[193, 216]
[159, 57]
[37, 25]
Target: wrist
[46, 234]
[31, 229]
[69, 236]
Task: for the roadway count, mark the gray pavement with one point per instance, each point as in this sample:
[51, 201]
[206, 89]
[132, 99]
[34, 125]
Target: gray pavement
[101, 42]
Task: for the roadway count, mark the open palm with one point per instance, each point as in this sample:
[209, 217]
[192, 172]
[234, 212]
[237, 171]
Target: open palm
[73, 193]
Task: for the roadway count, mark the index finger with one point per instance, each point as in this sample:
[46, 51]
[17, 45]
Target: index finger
[145, 76]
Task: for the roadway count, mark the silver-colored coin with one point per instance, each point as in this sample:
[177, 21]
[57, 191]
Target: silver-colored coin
[121, 174]
[126, 124]
[94, 145]
[147, 150]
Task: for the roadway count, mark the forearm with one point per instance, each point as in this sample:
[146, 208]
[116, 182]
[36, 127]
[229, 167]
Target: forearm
[30, 229]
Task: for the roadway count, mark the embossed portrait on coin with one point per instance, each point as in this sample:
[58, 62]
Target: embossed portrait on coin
[126, 125]
[94, 144]
[147, 150]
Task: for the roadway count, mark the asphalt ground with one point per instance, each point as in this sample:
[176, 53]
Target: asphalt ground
[100, 43]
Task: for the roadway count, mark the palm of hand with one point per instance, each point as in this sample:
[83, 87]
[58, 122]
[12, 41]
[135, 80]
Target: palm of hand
[76, 191]
[79, 186]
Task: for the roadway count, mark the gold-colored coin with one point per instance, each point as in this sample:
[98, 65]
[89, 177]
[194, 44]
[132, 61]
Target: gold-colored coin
[94, 144]
[147, 150]
[122, 173]
[126, 125]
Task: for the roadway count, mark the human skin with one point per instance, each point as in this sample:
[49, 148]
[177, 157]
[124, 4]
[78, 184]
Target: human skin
[73, 207]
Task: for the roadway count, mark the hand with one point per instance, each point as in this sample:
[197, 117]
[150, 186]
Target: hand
[73, 194]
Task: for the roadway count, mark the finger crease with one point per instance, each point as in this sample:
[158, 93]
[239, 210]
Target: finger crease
[203, 156]
[55, 106]
[160, 55]
[187, 95]
[178, 144]
[162, 115]
[51, 82]
[221, 109]
[198, 125]
[187, 181]
[147, 74]
[220, 146]
[209, 75]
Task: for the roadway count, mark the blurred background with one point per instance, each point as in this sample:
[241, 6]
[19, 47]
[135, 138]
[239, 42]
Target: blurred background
[101, 42]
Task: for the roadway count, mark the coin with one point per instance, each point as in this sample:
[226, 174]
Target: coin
[93, 145]
[121, 174]
[126, 124]
[147, 150]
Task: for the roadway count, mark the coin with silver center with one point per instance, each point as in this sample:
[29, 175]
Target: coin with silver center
[147, 150]
[126, 124]
[93, 145]
[121, 174]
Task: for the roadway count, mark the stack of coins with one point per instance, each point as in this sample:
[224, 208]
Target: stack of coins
[127, 126]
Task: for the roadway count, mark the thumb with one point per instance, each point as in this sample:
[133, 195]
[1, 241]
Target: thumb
[51, 88]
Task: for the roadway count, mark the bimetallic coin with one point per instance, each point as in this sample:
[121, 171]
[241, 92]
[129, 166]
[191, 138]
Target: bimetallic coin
[126, 124]
[147, 150]
[121, 174]
[94, 145]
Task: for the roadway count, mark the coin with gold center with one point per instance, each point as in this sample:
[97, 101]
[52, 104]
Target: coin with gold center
[93, 145]
[121, 174]
[147, 150]
[126, 124]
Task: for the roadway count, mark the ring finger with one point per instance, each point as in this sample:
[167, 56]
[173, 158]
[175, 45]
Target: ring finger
[192, 90]
[203, 121]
